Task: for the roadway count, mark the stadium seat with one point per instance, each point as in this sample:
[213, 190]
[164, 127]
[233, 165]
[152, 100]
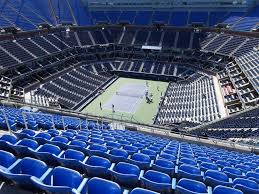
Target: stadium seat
[25, 133]
[6, 141]
[142, 191]
[126, 174]
[246, 186]
[72, 159]
[189, 172]
[187, 161]
[189, 186]
[232, 172]
[104, 186]
[253, 176]
[24, 147]
[222, 189]
[61, 180]
[98, 150]
[164, 166]
[156, 181]
[117, 155]
[97, 166]
[23, 170]
[131, 149]
[141, 160]
[152, 154]
[204, 166]
[42, 137]
[214, 178]
[6, 159]
[47, 153]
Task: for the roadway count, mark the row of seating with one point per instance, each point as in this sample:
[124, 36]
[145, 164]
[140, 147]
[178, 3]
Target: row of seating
[74, 86]
[194, 100]
[126, 174]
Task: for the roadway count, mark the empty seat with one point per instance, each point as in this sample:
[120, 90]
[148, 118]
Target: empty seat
[156, 181]
[164, 166]
[25, 147]
[232, 172]
[102, 186]
[97, 166]
[61, 180]
[214, 178]
[142, 191]
[222, 189]
[125, 174]
[246, 186]
[72, 159]
[117, 155]
[141, 160]
[189, 172]
[6, 159]
[98, 150]
[23, 170]
[131, 149]
[185, 186]
[204, 166]
[253, 176]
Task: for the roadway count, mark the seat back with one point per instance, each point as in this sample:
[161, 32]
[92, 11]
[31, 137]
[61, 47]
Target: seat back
[158, 177]
[194, 186]
[126, 168]
[98, 185]
[30, 166]
[141, 157]
[221, 176]
[48, 148]
[98, 161]
[29, 143]
[228, 190]
[73, 154]
[9, 138]
[6, 159]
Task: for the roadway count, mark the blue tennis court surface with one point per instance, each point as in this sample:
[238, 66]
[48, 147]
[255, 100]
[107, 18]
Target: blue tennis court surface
[127, 98]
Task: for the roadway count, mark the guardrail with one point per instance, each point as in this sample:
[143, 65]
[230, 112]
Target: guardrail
[144, 128]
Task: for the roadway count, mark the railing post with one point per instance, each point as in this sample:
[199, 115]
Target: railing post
[63, 122]
[24, 120]
[7, 122]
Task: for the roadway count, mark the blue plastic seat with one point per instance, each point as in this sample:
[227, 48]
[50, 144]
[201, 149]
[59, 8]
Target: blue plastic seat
[53, 132]
[78, 145]
[6, 141]
[23, 170]
[47, 153]
[187, 161]
[204, 166]
[6, 159]
[164, 166]
[125, 174]
[111, 145]
[232, 172]
[204, 159]
[222, 163]
[243, 168]
[253, 176]
[24, 147]
[67, 134]
[246, 186]
[98, 150]
[102, 186]
[152, 154]
[96, 141]
[222, 190]
[187, 186]
[117, 155]
[214, 178]
[169, 157]
[61, 180]
[131, 149]
[81, 137]
[189, 172]
[42, 137]
[72, 159]
[170, 152]
[59, 141]
[97, 166]
[141, 160]
[25, 133]
[156, 181]
[142, 191]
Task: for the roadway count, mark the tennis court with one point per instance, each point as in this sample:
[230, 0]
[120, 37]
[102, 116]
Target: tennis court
[128, 97]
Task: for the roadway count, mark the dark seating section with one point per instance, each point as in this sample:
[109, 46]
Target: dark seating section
[81, 159]
[74, 86]
[190, 101]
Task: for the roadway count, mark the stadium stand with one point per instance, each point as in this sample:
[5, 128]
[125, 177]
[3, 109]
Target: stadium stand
[197, 66]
